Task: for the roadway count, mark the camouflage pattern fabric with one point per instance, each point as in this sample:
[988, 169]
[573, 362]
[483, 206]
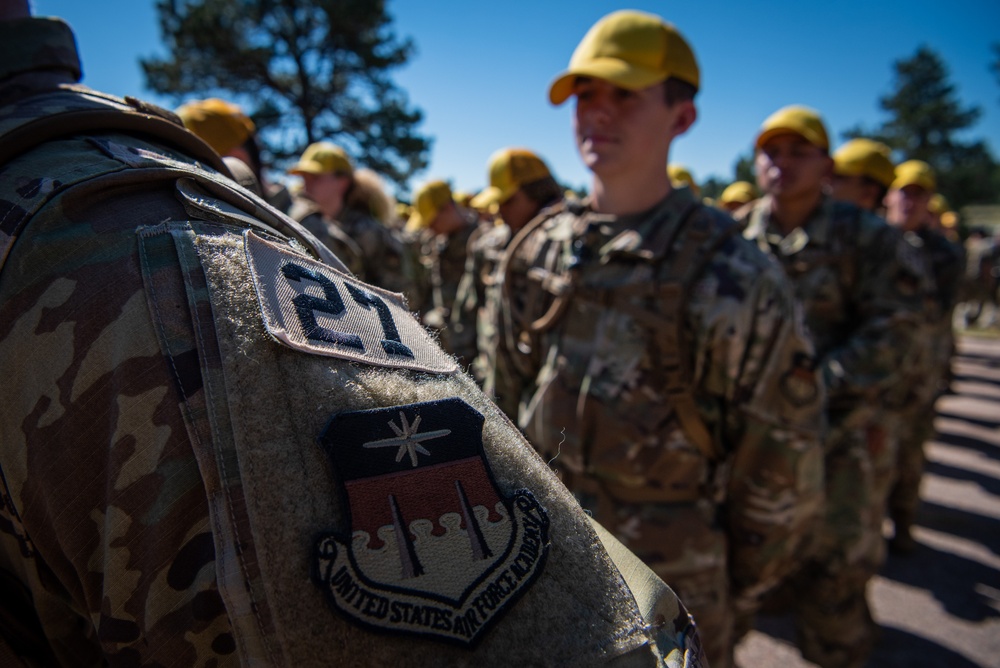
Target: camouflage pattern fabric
[164, 480]
[721, 528]
[485, 250]
[366, 246]
[924, 376]
[441, 267]
[305, 211]
[862, 288]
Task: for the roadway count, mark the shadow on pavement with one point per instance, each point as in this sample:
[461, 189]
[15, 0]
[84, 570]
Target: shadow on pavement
[951, 579]
[986, 482]
[964, 441]
[901, 649]
[972, 527]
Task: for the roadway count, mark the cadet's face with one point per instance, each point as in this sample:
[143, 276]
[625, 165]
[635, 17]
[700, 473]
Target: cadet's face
[789, 167]
[327, 190]
[907, 206]
[622, 131]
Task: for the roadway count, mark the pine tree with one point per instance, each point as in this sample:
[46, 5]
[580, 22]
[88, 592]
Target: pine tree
[924, 118]
[305, 70]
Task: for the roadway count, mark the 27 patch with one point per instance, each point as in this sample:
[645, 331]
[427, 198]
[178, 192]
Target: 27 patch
[312, 307]
[434, 548]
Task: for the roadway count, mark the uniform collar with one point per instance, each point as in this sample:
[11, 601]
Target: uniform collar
[814, 231]
[636, 234]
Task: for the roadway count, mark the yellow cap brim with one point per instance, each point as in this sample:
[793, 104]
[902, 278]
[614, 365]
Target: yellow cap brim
[307, 167]
[489, 197]
[612, 70]
[770, 133]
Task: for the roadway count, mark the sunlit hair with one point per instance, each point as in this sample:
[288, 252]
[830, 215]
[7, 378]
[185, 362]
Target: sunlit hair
[368, 193]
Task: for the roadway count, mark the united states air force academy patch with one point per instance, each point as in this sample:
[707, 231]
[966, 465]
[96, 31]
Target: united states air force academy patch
[433, 548]
[310, 306]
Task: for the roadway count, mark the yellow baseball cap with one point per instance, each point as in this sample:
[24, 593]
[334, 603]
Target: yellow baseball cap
[739, 192]
[632, 50]
[864, 157]
[681, 176]
[914, 173]
[428, 201]
[949, 219]
[510, 168]
[800, 120]
[322, 157]
[221, 125]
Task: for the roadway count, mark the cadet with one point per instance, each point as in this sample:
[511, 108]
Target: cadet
[737, 195]
[521, 185]
[660, 354]
[862, 174]
[350, 212]
[862, 295]
[217, 446]
[926, 374]
[439, 230]
[224, 127]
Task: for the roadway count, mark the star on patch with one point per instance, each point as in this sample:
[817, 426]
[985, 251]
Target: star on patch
[408, 439]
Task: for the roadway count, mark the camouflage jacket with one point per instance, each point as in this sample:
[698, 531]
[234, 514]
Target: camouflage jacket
[442, 263]
[486, 248]
[917, 384]
[366, 246]
[307, 213]
[863, 289]
[596, 398]
[216, 447]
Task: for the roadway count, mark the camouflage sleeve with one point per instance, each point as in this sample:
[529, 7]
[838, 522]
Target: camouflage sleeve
[756, 357]
[890, 288]
[216, 449]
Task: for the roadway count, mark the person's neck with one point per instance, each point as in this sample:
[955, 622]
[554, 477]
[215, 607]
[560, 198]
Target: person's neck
[624, 196]
[791, 213]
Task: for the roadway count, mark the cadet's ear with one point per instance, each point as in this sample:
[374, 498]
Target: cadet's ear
[687, 114]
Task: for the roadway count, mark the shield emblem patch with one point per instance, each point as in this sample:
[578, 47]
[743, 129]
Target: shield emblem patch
[434, 548]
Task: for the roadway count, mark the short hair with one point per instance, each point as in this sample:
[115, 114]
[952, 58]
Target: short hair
[544, 191]
[675, 90]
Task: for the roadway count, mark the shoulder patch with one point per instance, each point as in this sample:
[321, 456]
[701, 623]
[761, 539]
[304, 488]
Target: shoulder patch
[314, 308]
[434, 548]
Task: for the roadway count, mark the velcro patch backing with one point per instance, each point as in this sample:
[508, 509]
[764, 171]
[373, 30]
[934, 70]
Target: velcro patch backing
[314, 308]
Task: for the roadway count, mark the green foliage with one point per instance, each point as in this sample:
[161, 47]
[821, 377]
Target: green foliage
[925, 118]
[713, 187]
[306, 70]
[743, 168]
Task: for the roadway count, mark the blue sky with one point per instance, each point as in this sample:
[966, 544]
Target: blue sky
[481, 70]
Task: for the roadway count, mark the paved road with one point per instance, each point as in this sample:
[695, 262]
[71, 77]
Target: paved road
[939, 607]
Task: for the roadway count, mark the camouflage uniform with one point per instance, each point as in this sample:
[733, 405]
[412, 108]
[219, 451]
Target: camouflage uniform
[862, 292]
[196, 423]
[486, 248]
[442, 263]
[923, 377]
[718, 514]
[344, 247]
[367, 247]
